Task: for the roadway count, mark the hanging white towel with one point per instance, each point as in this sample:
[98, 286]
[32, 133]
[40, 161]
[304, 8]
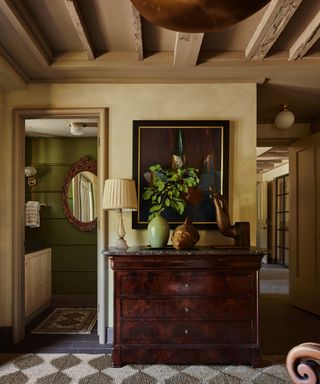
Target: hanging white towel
[33, 214]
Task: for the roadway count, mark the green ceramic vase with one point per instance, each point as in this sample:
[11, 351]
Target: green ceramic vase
[158, 232]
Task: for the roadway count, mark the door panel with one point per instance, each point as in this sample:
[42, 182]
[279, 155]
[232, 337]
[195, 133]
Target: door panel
[304, 158]
[262, 214]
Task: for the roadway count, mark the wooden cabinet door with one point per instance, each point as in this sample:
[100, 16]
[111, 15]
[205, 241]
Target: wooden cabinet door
[304, 157]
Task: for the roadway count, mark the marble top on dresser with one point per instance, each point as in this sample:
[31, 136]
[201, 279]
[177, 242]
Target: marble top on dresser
[201, 250]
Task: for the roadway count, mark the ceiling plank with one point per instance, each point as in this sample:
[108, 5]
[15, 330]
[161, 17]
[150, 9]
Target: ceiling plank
[27, 30]
[80, 27]
[137, 31]
[14, 65]
[187, 48]
[273, 22]
[306, 40]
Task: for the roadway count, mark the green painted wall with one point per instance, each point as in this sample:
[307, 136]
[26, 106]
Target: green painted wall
[74, 253]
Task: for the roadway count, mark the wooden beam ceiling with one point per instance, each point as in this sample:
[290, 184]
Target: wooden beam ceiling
[187, 48]
[13, 64]
[306, 40]
[273, 22]
[27, 30]
[80, 27]
[137, 32]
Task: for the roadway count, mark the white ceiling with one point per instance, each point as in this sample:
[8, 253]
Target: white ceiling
[44, 41]
[59, 127]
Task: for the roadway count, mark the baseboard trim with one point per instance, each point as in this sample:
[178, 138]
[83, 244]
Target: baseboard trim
[6, 334]
[74, 300]
[110, 335]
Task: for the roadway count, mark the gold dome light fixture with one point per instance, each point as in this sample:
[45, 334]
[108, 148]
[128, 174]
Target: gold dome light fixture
[197, 16]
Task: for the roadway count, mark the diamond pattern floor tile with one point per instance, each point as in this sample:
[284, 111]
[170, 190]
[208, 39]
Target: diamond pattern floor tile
[14, 378]
[97, 369]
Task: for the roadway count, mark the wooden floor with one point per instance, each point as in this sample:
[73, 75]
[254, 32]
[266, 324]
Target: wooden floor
[282, 325]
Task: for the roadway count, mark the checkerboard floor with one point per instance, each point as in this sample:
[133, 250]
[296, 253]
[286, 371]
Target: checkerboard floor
[87, 368]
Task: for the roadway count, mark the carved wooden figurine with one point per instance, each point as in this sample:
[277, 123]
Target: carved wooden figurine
[240, 231]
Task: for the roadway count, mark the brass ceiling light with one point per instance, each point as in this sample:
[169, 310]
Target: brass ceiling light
[197, 15]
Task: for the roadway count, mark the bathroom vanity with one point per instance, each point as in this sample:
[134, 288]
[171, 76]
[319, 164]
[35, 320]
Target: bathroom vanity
[37, 282]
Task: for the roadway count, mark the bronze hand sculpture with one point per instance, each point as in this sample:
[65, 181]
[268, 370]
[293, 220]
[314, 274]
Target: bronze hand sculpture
[240, 231]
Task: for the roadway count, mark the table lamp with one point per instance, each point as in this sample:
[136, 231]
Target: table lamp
[120, 195]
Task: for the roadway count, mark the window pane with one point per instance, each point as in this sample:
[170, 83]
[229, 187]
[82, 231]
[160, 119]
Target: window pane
[280, 206]
[286, 239]
[280, 186]
[286, 257]
[287, 184]
[287, 199]
[286, 220]
[279, 238]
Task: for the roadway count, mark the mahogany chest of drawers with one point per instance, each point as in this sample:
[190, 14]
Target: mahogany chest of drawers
[186, 307]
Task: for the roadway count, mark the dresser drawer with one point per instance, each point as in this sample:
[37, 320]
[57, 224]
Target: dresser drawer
[183, 308]
[186, 284]
[185, 332]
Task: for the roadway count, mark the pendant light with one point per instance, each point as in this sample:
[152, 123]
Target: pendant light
[285, 118]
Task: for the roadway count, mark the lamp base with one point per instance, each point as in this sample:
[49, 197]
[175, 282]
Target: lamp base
[122, 244]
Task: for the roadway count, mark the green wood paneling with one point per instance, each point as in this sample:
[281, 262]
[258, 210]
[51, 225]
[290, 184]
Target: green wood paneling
[50, 178]
[74, 252]
[74, 283]
[59, 150]
[61, 232]
[53, 200]
[74, 258]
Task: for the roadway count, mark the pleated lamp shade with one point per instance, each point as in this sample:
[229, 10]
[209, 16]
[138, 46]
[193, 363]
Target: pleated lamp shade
[119, 194]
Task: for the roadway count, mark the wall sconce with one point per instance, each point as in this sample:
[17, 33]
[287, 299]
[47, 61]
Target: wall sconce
[285, 118]
[29, 172]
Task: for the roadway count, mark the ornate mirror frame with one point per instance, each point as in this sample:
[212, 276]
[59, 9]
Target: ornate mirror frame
[84, 164]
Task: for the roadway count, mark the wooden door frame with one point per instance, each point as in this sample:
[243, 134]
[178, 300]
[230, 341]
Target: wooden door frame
[18, 179]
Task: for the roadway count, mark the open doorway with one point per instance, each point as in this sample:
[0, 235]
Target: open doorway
[61, 213]
[22, 118]
[273, 189]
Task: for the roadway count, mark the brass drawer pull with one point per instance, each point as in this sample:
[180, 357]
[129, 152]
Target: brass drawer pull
[186, 331]
[186, 309]
[186, 285]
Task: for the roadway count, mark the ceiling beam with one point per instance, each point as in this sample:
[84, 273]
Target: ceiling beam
[273, 22]
[137, 32]
[14, 65]
[80, 27]
[306, 40]
[27, 30]
[187, 48]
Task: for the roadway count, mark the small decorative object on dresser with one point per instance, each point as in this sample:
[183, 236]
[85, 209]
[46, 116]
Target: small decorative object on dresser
[158, 232]
[196, 306]
[185, 236]
[240, 231]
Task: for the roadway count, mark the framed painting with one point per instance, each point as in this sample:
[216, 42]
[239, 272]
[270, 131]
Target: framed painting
[201, 144]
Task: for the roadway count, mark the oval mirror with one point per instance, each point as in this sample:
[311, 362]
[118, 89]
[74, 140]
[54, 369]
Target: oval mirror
[79, 194]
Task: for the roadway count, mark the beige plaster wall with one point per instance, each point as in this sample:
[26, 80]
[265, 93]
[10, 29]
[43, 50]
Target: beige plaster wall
[234, 102]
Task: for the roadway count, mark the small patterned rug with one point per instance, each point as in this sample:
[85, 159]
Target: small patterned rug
[97, 369]
[68, 321]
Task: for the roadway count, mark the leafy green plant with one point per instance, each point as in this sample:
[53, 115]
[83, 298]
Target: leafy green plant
[169, 188]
